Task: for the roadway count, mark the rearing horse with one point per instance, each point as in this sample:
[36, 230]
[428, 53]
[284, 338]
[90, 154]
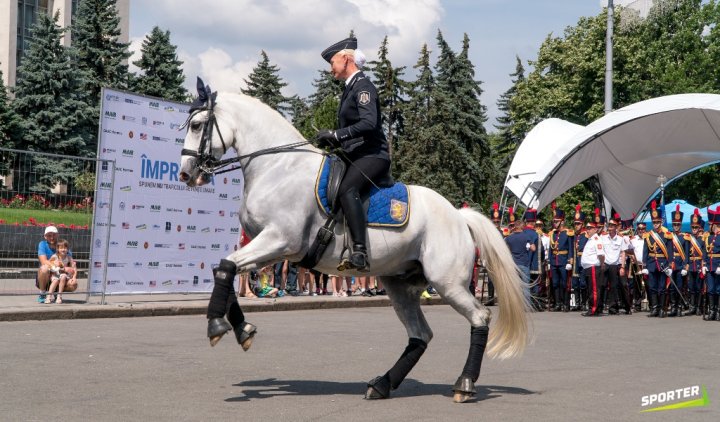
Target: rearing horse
[437, 245]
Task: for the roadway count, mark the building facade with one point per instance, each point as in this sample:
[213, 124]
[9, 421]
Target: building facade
[17, 18]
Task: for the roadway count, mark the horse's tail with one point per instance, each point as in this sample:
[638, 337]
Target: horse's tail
[510, 334]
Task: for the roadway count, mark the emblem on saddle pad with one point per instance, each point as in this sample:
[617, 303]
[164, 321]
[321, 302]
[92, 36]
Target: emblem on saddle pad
[398, 210]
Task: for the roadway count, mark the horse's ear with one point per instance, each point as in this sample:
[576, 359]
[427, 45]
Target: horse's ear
[201, 90]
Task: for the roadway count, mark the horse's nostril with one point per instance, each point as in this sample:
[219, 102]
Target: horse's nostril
[184, 177]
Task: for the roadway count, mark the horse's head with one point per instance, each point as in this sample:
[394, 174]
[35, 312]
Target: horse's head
[205, 142]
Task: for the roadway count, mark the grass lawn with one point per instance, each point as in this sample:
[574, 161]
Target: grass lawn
[12, 216]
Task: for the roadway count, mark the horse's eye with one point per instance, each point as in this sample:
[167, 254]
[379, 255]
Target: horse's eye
[195, 126]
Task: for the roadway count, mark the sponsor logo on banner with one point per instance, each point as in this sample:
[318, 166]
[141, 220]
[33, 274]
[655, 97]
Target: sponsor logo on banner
[112, 132]
[215, 247]
[189, 211]
[141, 226]
[116, 264]
[128, 118]
[167, 283]
[155, 208]
[160, 139]
[143, 136]
[103, 204]
[190, 229]
[221, 213]
[179, 141]
[173, 265]
[169, 108]
[234, 230]
[127, 188]
[112, 97]
[153, 265]
[133, 101]
[110, 150]
[124, 170]
[227, 247]
[114, 243]
[196, 280]
[97, 264]
[219, 230]
[156, 227]
[205, 212]
[205, 230]
[207, 280]
[111, 282]
[122, 206]
[158, 123]
[152, 283]
[98, 243]
[236, 181]
[144, 121]
[138, 206]
[176, 210]
[96, 281]
[155, 105]
[137, 264]
[183, 281]
[178, 228]
[125, 225]
[146, 245]
[157, 169]
[128, 153]
[162, 246]
[234, 214]
[131, 244]
[101, 224]
[181, 246]
[131, 134]
[110, 115]
[168, 226]
[237, 198]
[223, 196]
[198, 247]
[134, 283]
[174, 126]
[105, 185]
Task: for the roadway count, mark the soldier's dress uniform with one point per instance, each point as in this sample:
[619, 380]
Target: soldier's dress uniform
[562, 250]
[638, 285]
[712, 248]
[658, 257]
[627, 280]
[681, 252]
[696, 258]
[591, 263]
[579, 287]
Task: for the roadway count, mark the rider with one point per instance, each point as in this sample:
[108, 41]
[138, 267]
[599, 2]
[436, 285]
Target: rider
[361, 139]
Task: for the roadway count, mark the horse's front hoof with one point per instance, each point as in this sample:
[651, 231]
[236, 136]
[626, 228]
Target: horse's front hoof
[464, 389]
[378, 388]
[217, 327]
[244, 334]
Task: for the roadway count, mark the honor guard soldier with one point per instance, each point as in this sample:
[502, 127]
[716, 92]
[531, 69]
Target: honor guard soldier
[712, 279]
[657, 261]
[536, 255]
[521, 244]
[579, 288]
[628, 265]
[681, 251]
[639, 285]
[592, 261]
[615, 246]
[696, 257]
[562, 250]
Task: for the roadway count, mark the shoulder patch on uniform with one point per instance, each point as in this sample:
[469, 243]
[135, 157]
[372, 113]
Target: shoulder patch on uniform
[364, 97]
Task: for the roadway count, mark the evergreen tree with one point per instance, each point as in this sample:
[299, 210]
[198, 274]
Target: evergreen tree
[509, 139]
[391, 90]
[162, 72]
[265, 84]
[10, 124]
[48, 98]
[95, 33]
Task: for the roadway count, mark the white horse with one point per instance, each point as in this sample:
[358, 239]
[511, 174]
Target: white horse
[280, 213]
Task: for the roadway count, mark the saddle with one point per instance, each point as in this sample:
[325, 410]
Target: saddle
[387, 205]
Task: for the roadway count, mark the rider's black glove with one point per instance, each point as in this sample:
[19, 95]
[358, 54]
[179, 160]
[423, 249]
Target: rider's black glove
[326, 138]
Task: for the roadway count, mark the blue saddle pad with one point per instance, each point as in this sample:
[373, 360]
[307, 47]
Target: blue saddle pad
[387, 207]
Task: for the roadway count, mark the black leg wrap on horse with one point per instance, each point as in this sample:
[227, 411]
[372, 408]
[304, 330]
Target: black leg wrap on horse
[407, 361]
[224, 275]
[478, 341]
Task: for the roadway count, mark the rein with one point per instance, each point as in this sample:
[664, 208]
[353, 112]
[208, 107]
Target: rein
[210, 165]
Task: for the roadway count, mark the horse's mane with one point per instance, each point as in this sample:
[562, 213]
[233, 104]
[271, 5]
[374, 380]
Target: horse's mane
[252, 105]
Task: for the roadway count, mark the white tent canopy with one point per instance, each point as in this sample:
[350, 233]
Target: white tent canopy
[629, 149]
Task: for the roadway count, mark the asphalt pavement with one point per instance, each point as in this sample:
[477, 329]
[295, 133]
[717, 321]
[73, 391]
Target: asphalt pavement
[313, 365]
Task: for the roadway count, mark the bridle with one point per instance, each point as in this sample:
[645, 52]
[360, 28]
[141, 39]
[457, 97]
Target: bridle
[206, 162]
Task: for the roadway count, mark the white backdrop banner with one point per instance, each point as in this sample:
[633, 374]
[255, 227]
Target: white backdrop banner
[163, 235]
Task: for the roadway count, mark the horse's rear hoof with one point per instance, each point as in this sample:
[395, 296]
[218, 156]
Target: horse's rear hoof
[217, 327]
[378, 388]
[461, 397]
[244, 334]
[464, 389]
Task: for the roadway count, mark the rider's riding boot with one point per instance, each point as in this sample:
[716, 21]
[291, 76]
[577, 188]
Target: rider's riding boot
[355, 217]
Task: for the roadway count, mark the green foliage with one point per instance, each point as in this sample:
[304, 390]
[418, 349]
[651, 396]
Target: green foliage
[265, 84]
[162, 72]
[85, 182]
[10, 124]
[48, 98]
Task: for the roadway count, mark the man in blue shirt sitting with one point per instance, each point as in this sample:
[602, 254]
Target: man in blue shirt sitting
[46, 249]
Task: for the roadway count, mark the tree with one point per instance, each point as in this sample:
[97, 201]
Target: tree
[391, 90]
[162, 72]
[95, 34]
[509, 140]
[10, 124]
[49, 100]
[265, 84]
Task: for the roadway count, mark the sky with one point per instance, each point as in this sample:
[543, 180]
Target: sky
[221, 40]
